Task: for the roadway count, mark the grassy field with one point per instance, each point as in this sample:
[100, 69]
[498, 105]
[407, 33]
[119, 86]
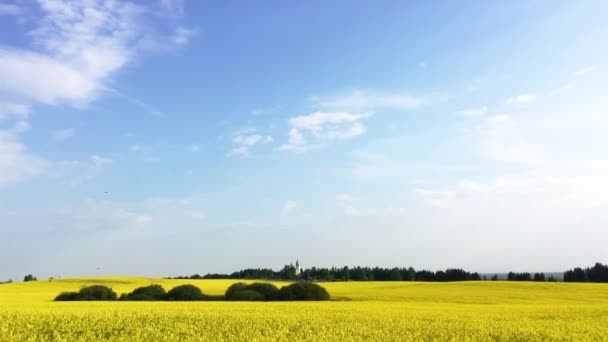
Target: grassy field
[397, 311]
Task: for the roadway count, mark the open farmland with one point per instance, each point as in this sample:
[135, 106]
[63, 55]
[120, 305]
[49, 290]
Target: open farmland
[360, 311]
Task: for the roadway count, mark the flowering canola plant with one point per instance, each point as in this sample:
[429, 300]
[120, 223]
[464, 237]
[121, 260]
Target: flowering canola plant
[371, 311]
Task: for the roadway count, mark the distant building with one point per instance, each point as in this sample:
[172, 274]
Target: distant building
[298, 269]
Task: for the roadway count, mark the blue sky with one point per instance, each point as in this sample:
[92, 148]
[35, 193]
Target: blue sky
[172, 137]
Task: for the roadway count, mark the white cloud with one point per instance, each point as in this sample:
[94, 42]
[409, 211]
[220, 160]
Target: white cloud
[20, 127]
[354, 130]
[560, 89]
[504, 140]
[376, 166]
[151, 159]
[547, 190]
[513, 150]
[289, 206]
[173, 8]
[321, 127]
[15, 111]
[193, 148]
[495, 119]
[10, 9]
[82, 45]
[422, 65]
[183, 35]
[239, 151]
[476, 84]
[99, 161]
[135, 148]
[358, 207]
[251, 140]
[439, 198]
[244, 142]
[104, 215]
[366, 101]
[265, 110]
[34, 76]
[585, 71]
[63, 134]
[316, 122]
[108, 216]
[16, 163]
[473, 111]
[522, 99]
[296, 138]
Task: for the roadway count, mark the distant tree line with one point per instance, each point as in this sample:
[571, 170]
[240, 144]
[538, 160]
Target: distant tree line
[345, 273]
[299, 291]
[29, 277]
[529, 277]
[596, 274]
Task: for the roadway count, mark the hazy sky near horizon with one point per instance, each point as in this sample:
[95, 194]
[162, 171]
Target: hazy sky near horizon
[174, 137]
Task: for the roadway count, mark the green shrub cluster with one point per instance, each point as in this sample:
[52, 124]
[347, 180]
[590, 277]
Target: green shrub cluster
[303, 291]
[236, 292]
[268, 292]
[252, 292]
[95, 292]
[156, 292]
[146, 293]
[185, 293]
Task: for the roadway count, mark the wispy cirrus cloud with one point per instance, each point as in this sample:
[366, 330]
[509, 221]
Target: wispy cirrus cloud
[77, 48]
[82, 44]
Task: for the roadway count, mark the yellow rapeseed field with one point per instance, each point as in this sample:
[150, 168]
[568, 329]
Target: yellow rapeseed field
[383, 311]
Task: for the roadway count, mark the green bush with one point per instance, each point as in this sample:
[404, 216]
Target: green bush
[67, 296]
[263, 291]
[234, 288]
[269, 291]
[185, 293]
[97, 292]
[151, 292]
[94, 292]
[303, 291]
[247, 295]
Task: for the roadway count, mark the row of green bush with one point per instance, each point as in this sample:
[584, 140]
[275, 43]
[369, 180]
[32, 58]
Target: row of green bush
[236, 292]
[269, 292]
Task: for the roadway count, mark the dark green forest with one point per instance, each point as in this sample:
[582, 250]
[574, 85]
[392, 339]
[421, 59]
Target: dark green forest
[597, 273]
